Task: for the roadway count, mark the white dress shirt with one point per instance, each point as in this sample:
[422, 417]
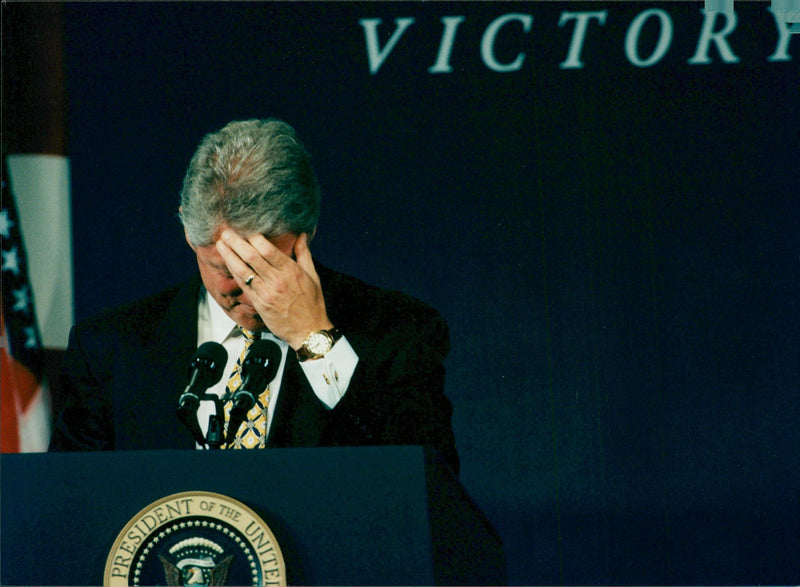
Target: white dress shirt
[329, 376]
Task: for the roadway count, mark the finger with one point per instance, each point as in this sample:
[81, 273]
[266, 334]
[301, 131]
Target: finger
[303, 255]
[246, 251]
[238, 269]
[274, 252]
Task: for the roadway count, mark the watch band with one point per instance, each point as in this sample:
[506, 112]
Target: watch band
[304, 353]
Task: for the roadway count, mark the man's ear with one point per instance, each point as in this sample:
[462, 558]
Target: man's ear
[185, 232]
[186, 236]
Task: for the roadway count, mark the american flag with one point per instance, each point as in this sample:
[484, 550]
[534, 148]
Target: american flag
[25, 425]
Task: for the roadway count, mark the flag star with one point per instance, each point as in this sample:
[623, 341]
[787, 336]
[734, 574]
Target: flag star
[11, 261]
[5, 224]
[23, 299]
[31, 340]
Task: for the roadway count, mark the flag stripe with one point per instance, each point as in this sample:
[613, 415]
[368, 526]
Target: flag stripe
[24, 410]
[9, 421]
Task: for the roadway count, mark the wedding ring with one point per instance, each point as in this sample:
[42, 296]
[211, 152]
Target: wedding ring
[250, 279]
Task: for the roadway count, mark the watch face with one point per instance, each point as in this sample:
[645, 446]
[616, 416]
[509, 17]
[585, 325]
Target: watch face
[318, 343]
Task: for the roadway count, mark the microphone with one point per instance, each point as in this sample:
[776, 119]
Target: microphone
[258, 369]
[205, 370]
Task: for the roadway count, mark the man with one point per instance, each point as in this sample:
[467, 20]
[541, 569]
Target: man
[358, 365]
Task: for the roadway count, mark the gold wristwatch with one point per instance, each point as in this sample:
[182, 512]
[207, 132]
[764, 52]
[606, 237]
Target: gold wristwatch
[318, 343]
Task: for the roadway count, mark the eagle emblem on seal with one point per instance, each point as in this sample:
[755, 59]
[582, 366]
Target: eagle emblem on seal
[196, 562]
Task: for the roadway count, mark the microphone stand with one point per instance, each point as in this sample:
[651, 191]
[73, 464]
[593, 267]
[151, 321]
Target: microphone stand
[216, 425]
[215, 436]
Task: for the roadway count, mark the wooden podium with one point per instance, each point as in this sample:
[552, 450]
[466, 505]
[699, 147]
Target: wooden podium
[341, 516]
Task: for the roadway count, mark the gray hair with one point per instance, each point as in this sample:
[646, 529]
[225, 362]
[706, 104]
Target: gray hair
[256, 176]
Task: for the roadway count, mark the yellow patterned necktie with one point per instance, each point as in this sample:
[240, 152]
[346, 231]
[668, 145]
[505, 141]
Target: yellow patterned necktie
[253, 431]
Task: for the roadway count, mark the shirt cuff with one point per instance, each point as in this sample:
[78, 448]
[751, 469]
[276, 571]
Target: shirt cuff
[330, 376]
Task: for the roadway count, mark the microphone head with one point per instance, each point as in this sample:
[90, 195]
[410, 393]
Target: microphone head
[209, 359]
[262, 361]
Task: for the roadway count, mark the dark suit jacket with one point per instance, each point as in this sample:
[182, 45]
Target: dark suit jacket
[124, 370]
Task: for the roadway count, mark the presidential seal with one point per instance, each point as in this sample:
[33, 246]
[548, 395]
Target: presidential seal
[195, 538]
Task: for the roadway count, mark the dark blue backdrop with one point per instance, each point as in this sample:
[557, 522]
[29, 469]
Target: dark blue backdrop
[616, 248]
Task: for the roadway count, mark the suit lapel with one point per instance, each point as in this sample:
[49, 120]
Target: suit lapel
[171, 350]
[299, 415]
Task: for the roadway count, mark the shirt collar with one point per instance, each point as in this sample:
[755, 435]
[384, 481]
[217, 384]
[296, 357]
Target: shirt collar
[221, 325]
